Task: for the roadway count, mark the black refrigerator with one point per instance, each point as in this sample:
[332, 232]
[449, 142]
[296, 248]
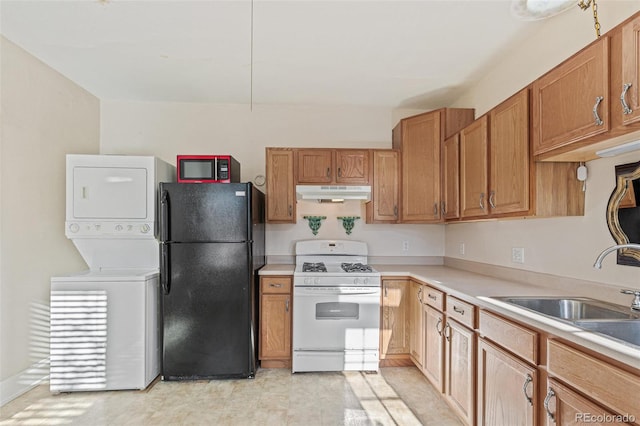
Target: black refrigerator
[211, 248]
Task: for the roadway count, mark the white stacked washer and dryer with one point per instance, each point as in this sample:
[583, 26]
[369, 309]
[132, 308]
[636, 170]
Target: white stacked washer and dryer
[105, 322]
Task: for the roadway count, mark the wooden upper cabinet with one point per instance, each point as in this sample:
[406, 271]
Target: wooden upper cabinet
[509, 155]
[384, 205]
[421, 168]
[315, 165]
[281, 196]
[630, 85]
[323, 166]
[474, 179]
[451, 177]
[352, 166]
[571, 102]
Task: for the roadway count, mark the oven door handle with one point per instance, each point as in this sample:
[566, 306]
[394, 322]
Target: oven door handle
[311, 291]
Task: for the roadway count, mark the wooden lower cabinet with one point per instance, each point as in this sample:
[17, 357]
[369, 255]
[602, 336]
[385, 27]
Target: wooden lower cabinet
[394, 321]
[460, 371]
[433, 365]
[506, 388]
[275, 321]
[565, 407]
[416, 324]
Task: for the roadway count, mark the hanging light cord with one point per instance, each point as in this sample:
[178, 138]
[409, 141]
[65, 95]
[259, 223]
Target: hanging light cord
[584, 5]
[251, 65]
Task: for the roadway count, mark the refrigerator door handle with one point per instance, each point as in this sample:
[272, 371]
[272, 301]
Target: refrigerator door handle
[165, 270]
[164, 215]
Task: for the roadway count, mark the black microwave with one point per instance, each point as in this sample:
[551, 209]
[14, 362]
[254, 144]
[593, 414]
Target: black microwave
[208, 169]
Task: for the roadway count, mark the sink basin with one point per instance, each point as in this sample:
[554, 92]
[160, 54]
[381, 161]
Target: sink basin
[571, 308]
[627, 331]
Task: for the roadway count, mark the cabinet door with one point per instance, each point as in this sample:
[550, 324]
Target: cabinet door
[567, 99]
[451, 176]
[275, 326]
[395, 318]
[473, 169]
[509, 155]
[386, 187]
[566, 407]
[433, 366]
[315, 166]
[416, 324]
[421, 168]
[506, 388]
[352, 166]
[281, 197]
[460, 370]
[631, 70]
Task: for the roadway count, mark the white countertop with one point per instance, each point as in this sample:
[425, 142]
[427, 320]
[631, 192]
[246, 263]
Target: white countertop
[477, 289]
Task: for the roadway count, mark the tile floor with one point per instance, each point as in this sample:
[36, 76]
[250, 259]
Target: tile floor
[395, 396]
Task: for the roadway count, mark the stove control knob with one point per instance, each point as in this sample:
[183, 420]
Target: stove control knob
[119, 228]
[365, 281]
[74, 227]
[307, 280]
[145, 228]
[355, 281]
[316, 280]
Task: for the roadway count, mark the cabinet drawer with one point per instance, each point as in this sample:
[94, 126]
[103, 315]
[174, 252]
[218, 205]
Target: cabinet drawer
[463, 312]
[275, 284]
[433, 297]
[607, 384]
[513, 337]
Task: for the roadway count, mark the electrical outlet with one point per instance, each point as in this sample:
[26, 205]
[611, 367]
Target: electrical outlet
[461, 249]
[405, 245]
[517, 255]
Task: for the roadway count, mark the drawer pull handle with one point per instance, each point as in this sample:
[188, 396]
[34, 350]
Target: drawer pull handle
[625, 107]
[598, 120]
[438, 327]
[528, 380]
[550, 395]
[458, 310]
[432, 297]
[275, 285]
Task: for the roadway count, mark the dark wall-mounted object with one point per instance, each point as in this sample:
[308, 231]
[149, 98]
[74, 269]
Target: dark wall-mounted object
[623, 212]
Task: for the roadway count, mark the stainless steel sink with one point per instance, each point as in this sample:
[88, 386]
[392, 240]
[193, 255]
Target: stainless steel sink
[571, 308]
[627, 331]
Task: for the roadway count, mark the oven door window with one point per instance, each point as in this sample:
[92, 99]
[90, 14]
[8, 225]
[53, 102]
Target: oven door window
[337, 311]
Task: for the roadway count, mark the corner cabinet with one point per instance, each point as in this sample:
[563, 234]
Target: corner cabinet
[419, 139]
[281, 195]
[275, 321]
[385, 197]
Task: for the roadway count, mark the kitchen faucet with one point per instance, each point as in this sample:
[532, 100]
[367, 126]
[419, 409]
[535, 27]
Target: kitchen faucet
[635, 305]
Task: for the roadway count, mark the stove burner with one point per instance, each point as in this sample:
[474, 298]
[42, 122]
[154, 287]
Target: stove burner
[313, 267]
[356, 267]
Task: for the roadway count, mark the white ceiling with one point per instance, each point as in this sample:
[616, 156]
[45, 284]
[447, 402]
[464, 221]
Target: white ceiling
[419, 54]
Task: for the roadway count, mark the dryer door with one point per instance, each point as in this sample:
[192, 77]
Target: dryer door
[110, 193]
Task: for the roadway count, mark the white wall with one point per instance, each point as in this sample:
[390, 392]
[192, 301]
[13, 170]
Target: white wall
[169, 129]
[44, 117]
[561, 246]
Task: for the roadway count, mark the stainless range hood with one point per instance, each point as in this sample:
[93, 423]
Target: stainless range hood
[334, 193]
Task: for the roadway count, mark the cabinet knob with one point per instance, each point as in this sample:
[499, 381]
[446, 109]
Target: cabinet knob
[598, 120]
[547, 398]
[626, 110]
[528, 380]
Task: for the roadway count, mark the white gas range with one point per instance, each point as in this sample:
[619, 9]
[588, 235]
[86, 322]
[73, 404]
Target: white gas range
[336, 314]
